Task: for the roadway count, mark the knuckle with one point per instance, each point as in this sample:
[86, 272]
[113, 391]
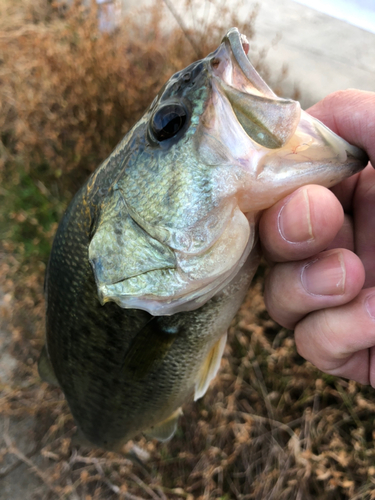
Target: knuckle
[315, 338]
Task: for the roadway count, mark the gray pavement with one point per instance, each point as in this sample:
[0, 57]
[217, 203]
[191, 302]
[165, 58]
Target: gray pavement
[323, 54]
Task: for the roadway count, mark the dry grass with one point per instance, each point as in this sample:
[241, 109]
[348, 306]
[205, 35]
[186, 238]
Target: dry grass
[69, 93]
[271, 426]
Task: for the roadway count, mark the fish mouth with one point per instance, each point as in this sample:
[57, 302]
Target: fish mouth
[268, 120]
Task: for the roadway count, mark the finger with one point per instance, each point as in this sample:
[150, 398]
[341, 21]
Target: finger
[364, 220]
[344, 192]
[338, 340]
[300, 225]
[345, 237]
[294, 289]
[351, 114]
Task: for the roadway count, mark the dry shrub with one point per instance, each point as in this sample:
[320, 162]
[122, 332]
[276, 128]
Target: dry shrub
[68, 92]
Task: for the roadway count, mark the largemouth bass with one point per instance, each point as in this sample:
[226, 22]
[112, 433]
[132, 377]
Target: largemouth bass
[157, 250]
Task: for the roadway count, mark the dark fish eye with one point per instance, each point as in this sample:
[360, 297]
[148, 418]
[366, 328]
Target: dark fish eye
[167, 121]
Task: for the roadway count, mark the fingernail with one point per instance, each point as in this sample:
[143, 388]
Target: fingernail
[294, 218]
[370, 305]
[325, 275]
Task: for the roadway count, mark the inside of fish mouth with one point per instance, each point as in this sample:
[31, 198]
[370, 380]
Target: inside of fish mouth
[245, 43]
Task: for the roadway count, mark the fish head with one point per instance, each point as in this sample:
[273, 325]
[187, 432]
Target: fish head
[215, 148]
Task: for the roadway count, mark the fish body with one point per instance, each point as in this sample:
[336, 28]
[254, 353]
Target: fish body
[157, 250]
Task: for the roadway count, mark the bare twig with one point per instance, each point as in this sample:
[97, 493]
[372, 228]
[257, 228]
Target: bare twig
[23, 458]
[183, 27]
[110, 485]
[19, 462]
[146, 488]
[262, 385]
[267, 420]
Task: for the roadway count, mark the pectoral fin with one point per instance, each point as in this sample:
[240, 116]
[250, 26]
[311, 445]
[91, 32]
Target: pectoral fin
[210, 367]
[165, 430]
[148, 349]
[45, 368]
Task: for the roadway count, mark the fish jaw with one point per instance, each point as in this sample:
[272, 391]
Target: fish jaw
[187, 286]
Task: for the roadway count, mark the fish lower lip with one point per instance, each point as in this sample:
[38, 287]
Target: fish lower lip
[333, 140]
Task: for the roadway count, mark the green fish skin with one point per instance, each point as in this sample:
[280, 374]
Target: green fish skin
[156, 252]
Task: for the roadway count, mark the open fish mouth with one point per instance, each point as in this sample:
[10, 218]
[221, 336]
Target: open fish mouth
[268, 120]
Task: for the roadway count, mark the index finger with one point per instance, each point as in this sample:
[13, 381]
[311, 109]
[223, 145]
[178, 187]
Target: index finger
[350, 114]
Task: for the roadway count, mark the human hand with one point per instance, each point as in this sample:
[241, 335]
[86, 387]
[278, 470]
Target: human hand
[321, 245]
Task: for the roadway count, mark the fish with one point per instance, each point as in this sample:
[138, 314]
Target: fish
[156, 252]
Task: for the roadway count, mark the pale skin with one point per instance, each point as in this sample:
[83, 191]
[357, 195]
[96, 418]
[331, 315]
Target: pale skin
[321, 247]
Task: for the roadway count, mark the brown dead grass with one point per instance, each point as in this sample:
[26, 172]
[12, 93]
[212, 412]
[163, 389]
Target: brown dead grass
[271, 426]
[69, 92]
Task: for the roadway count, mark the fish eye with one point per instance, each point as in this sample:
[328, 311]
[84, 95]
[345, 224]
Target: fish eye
[167, 121]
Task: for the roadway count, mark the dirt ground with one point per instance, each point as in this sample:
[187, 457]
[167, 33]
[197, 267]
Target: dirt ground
[18, 480]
